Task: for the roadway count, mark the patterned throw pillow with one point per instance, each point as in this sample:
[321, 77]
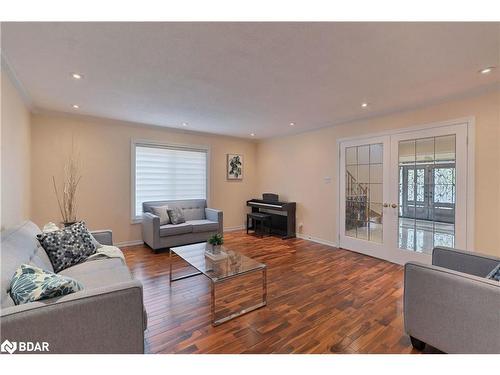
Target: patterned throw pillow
[162, 213]
[176, 216]
[495, 273]
[32, 284]
[68, 246]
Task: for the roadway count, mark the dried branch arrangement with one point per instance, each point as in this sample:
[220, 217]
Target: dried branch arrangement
[67, 200]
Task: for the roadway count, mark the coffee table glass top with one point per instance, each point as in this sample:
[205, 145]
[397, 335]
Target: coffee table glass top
[233, 264]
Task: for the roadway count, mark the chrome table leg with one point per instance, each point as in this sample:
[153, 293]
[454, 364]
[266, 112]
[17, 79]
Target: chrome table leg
[216, 322]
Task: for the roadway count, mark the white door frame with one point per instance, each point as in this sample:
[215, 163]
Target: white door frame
[470, 195]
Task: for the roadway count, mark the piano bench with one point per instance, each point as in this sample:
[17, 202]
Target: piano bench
[258, 217]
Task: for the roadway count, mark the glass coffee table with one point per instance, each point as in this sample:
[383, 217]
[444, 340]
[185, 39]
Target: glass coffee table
[217, 271]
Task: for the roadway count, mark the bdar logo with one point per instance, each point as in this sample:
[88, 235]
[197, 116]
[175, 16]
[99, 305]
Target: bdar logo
[8, 346]
[24, 346]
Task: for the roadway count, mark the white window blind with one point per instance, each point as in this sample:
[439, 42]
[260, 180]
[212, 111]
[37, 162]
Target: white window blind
[169, 173]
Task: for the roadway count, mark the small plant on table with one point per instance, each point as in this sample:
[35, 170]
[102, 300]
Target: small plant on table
[216, 241]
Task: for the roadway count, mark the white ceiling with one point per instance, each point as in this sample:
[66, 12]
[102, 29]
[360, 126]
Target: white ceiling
[241, 78]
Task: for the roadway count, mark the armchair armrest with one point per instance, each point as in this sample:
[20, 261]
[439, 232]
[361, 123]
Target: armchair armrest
[452, 311]
[100, 320]
[464, 261]
[151, 230]
[215, 215]
[104, 237]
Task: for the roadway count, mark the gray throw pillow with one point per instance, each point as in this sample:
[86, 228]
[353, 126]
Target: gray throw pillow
[68, 246]
[32, 284]
[176, 216]
[162, 213]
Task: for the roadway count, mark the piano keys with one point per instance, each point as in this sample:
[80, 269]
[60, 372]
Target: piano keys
[282, 213]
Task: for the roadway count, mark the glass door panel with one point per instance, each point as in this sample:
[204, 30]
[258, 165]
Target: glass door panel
[427, 181]
[364, 192]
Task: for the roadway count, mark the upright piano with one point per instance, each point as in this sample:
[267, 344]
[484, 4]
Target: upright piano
[282, 213]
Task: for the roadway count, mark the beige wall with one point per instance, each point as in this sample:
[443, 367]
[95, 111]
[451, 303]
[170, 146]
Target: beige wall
[104, 198]
[104, 146]
[15, 154]
[295, 166]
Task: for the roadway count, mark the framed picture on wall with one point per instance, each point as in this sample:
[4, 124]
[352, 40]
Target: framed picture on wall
[234, 167]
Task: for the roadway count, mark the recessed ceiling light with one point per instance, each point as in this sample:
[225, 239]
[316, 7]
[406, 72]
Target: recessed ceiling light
[252, 134]
[487, 70]
[76, 106]
[76, 75]
[184, 124]
[364, 105]
[292, 124]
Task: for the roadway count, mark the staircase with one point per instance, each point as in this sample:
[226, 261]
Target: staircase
[357, 210]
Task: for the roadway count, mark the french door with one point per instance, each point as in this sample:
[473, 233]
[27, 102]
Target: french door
[405, 193]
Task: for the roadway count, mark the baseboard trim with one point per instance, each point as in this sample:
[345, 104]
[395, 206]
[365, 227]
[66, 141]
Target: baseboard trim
[129, 243]
[140, 242]
[241, 227]
[317, 240]
[232, 229]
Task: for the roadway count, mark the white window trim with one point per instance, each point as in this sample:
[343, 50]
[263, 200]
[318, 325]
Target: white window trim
[134, 219]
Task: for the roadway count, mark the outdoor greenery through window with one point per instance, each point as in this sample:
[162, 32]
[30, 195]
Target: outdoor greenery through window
[168, 173]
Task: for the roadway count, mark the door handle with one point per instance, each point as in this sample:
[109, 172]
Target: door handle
[386, 205]
[394, 205]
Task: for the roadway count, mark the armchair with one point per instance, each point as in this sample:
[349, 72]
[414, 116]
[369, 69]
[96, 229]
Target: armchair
[451, 305]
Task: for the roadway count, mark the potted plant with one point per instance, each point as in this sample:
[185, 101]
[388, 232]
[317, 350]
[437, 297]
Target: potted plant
[216, 242]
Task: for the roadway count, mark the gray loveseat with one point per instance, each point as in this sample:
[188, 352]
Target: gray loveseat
[106, 317]
[201, 223]
[450, 305]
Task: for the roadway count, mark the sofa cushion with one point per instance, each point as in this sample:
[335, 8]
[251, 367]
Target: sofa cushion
[172, 230]
[204, 225]
[33, 284]
[193, 212]
[98, 273]
[19, 245]
[41, 259]
[92, 265]
[68, 246]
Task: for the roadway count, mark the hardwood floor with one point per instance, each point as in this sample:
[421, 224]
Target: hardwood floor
[320, 300]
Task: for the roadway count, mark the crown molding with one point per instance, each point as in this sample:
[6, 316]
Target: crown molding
[10, 72]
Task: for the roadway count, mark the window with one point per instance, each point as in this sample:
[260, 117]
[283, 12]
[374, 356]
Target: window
[167, 172]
